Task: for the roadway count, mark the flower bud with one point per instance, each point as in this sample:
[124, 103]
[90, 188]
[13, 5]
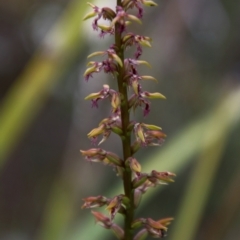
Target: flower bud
[135, 86]
[137, 223]
[102, 220]
[92, 202]
[141, 235]
[113, 158]
[155, 228]
[94, 155]
[117, 130]
[135, 147]
[126, 201]
[134, 165]
[116, 101]
[96, 131]
[137, 197]
[114, 206]
[155, 137]
[118, 231]
[93, 152]
[130, 126]
[163, 176]
[139, 132]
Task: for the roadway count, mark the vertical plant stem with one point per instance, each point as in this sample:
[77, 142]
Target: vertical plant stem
[126, 138]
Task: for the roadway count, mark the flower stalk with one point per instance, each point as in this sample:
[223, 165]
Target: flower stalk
[124, 70]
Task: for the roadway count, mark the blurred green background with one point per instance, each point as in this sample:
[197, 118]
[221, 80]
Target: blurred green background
[44, 120]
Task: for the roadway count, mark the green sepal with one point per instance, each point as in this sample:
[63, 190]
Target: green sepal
[134, 18]
[113, 158]
[135, 147]
[126, 202]
[138, 182]
[149, 3]
[149, 78]
[89, 15]
[137, 223]
[96, 54]
[117, 130]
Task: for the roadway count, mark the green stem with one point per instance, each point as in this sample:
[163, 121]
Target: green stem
[126, 138]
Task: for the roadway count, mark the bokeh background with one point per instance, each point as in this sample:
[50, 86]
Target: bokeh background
[44, 119]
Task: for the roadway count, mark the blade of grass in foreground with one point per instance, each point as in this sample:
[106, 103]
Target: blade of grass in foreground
[30, 90]
[212, 146]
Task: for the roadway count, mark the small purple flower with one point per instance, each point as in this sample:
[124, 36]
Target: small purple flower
[105, 13]
[131, 39]
[137, 4]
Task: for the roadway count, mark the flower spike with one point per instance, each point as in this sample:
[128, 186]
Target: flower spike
[125, 71]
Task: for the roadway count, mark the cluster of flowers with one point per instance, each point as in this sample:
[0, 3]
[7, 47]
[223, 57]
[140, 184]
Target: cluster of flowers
[125, 71]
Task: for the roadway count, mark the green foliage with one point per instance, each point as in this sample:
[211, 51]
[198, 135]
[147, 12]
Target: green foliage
[30, 91]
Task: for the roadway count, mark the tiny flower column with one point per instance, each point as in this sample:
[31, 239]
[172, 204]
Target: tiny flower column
[125, 72]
